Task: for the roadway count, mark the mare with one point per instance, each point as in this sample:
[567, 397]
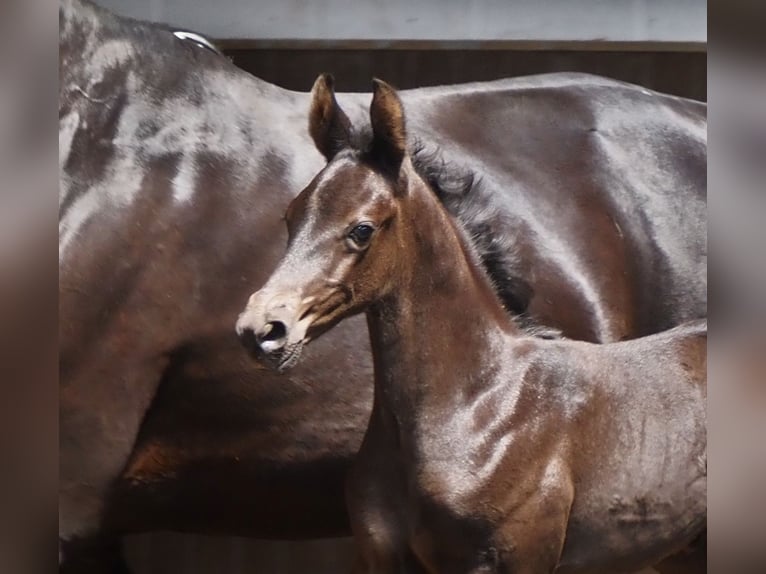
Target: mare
[488, 449]
[174, 169]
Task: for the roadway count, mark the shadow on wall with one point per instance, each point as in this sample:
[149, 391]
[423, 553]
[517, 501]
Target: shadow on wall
[162, 553]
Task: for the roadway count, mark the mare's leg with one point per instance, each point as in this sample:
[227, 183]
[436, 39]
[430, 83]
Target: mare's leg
[100, 554]
[100, 413]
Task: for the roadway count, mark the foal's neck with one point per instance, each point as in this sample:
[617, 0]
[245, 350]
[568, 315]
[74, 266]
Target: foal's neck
[443, 324]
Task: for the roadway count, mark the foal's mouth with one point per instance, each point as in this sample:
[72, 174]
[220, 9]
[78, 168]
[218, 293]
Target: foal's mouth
[285, 358]
[288, 355]
[280, 359]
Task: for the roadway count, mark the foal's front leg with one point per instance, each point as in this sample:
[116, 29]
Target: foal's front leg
[532, 540]
[378, 528]
[375, 503]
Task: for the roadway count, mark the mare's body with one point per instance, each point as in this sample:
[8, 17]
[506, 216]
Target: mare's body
[488, 450]
[175, 167]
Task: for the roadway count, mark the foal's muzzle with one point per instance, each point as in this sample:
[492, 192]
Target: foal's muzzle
[271, 330]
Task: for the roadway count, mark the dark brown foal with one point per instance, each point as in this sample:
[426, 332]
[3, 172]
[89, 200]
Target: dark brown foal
[488, 450]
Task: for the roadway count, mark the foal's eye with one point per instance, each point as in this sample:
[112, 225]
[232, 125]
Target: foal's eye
[361, 234]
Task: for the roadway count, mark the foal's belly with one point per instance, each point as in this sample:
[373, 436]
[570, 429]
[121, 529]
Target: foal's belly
[619, 533]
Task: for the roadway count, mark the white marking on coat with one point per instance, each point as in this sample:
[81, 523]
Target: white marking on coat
[185, 179]
[67, 128]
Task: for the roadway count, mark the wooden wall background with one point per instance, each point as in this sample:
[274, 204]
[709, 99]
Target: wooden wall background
[681, 73]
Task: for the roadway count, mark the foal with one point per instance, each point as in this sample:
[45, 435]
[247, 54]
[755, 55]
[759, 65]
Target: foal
[488, 450]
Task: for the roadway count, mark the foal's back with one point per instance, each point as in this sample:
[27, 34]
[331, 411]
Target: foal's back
[634, 417]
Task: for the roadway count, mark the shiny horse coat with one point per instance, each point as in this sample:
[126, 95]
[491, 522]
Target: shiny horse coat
[585, 198]
[488, 450]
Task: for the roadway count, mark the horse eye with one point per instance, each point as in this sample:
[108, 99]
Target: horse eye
[361, 234]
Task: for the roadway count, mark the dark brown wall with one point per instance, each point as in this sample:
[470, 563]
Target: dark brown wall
[679, 73]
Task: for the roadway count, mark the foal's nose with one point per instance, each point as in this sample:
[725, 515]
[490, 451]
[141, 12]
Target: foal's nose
[272, 337]
[269, 337]
[265, 327]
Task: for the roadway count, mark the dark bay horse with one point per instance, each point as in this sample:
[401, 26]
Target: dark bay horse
[488, 450]
[585, 196]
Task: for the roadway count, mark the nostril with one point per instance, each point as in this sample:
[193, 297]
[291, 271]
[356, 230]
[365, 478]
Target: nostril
[273, 331]
[247, 337]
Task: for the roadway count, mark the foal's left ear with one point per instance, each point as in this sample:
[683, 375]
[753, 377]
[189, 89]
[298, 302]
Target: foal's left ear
[389, 140]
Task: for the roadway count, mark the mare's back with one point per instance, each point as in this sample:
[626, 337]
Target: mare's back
[147, 114]
[577, 172]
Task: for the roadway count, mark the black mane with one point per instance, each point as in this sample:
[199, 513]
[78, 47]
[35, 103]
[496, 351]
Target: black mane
[465, 195]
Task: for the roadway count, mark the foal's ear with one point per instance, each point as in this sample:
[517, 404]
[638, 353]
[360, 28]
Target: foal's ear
[387, 117]
[329, 126]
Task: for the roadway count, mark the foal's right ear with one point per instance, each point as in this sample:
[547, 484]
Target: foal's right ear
[329, 126]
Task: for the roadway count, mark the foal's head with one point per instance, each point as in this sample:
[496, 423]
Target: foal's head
[345, 230]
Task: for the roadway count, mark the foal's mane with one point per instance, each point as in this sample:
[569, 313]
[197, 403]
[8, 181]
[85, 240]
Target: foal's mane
[469, 200]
